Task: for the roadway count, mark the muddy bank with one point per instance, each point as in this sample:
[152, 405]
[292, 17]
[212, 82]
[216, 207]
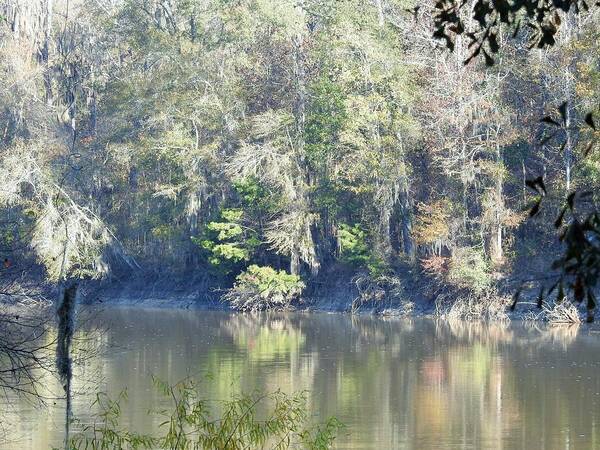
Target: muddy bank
[338, 293]
[154, 291]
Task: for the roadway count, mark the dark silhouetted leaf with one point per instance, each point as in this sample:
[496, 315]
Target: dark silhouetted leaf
[537, 184]
[473, 55]
[489, 61]
[559, 221]
[414, 12]
[562, 109]
[589, 119]
[516, 30]
[571, 200]
[493, 42]
[535, 209]
[557, 20]
[551, 121]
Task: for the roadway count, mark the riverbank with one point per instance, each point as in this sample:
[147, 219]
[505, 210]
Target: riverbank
[344, 294]
[340, 293]
[337, 292]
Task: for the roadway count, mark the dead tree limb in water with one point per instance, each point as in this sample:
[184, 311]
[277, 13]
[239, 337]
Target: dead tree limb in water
[24, 346]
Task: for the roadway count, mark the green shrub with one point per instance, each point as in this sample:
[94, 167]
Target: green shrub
[256, 420]
[262, 287]
[468, 269]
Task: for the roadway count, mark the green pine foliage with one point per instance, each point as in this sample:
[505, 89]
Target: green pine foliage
[227, 244]
[356, 249]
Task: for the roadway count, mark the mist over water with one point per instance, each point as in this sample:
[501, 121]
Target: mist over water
[414, 384]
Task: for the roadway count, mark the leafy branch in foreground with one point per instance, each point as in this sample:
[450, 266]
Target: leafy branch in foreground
[273, 420]
[579, 231]
[542, 17]
[579, 266]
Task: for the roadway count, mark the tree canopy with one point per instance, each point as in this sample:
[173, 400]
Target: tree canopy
[311, 137]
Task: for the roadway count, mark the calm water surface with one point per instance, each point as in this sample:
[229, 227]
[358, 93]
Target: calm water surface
[406, 384]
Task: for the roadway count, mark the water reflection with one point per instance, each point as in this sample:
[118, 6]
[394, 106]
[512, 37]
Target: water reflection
[396, 383]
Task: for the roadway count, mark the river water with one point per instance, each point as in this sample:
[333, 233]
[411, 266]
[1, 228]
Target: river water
[406, 384]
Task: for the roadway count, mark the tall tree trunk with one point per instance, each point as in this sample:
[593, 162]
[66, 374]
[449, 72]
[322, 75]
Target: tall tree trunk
[406, 219]
[495, 242]
[569, 98]
[304, 247]
[300, 117]
[404, 209]
[92, 105]
[45, 52]
[568, 156]
[380, 12]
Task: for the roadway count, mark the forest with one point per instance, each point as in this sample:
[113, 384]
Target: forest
[188, 186]
[273, 149]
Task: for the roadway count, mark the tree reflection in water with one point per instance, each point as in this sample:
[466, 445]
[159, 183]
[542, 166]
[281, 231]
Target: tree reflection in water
[395, 383]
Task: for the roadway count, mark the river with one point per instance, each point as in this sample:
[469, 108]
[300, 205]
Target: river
[394, 383]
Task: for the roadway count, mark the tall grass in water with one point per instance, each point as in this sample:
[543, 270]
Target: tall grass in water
[565, 312]
[489, 306]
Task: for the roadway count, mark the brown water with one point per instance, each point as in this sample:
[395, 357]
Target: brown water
[401, 384]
